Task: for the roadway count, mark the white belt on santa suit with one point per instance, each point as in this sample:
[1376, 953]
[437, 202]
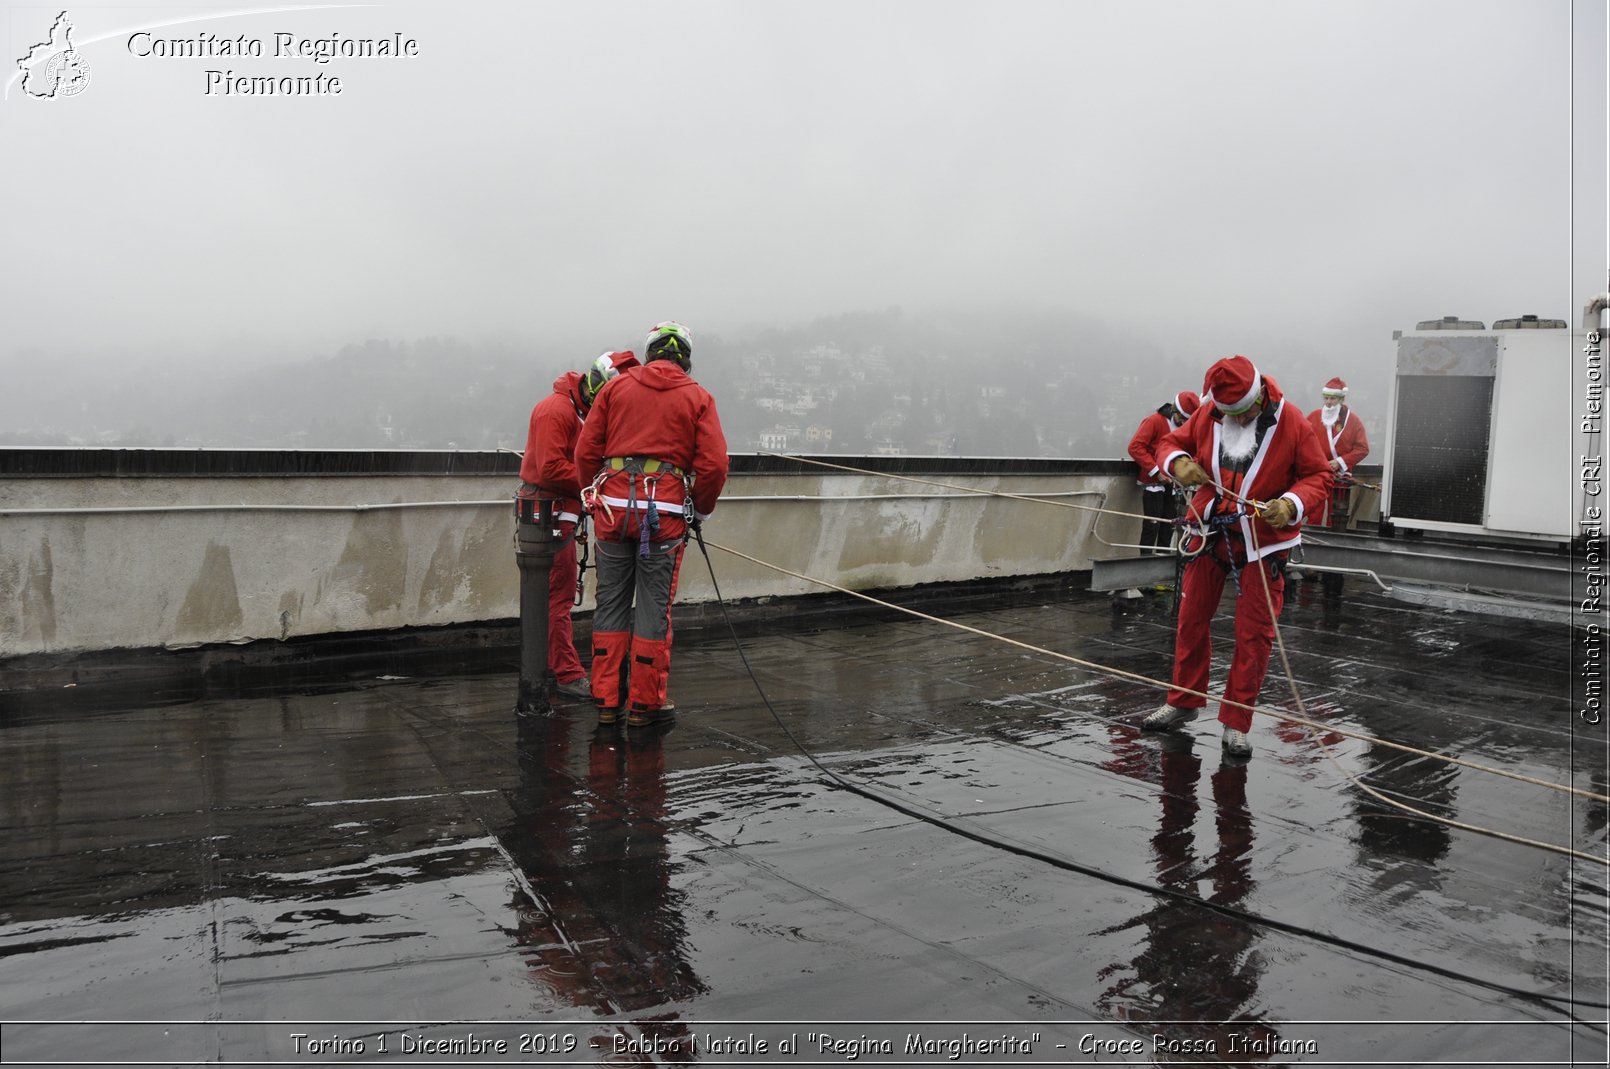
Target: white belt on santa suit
[641, 504]
[562, 517]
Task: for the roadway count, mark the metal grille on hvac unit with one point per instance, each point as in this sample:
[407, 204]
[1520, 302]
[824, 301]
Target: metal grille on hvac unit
[1439, 465]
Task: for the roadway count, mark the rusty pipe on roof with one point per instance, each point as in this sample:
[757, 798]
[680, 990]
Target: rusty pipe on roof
[537, 541]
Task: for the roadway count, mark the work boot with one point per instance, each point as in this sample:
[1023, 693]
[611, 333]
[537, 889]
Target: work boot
[607, 715]
[644, 718]
[580, 687]
[1235, 743]
[1167, 718]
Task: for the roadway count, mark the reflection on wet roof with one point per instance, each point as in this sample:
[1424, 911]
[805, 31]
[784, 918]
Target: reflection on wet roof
[408, 859]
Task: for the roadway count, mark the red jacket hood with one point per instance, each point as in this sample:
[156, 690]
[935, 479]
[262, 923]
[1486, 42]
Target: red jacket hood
[569, 385]
[1272, 392]
[661, 375]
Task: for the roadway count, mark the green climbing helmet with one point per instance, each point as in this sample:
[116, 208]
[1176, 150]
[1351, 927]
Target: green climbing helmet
[606, 367]
[669, 341]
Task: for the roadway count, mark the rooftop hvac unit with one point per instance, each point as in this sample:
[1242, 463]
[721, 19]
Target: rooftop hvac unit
[1482, 431]
[1450, 323]
[1528, 323]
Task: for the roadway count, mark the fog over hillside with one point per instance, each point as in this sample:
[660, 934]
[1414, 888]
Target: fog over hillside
[1007, 383]
[1077, 205]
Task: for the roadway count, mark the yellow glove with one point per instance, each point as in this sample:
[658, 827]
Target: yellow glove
[1188, 472]
[1279, 512]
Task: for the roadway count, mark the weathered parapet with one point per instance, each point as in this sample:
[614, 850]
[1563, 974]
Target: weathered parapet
[870, 532]
[119, 549]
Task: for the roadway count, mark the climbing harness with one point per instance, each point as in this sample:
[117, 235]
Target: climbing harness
[527, 505]
[592, 501]
[643, 475]
[641, 464]
[1197, 537]
[1197, 534]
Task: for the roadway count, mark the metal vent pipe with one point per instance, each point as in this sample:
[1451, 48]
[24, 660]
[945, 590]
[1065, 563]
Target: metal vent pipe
[1591, 310]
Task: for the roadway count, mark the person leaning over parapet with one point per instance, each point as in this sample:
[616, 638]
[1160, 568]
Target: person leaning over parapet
[655, 452]
[1249, 442]
[1156, 490]
[1341, 435]
[548, 473]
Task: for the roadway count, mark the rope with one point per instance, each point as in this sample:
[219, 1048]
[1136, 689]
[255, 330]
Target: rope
[1023, 850]
[1284, 716]
[1302, 707]
[1302, 720]
[1093, 508]
[954, 486]
[1325, 747]
[1146, 679]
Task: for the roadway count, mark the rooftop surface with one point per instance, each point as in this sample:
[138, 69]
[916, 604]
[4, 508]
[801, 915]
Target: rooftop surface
[404, 871]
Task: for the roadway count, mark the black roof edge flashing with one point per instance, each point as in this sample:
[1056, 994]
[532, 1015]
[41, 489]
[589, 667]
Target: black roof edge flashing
[21, 462]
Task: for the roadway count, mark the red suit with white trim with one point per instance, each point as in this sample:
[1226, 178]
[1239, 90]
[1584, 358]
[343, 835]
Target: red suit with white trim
[1157, 501]
[1344, 442]
[650, 417]
[1286, 464]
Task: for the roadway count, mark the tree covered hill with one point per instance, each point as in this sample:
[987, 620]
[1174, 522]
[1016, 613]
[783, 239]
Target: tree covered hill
[1004, 384]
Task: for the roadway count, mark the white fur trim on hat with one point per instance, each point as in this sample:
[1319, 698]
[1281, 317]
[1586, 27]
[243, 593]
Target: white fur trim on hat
[1244, 402]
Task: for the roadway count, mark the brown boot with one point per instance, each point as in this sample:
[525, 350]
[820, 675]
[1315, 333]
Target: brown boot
[642, 719]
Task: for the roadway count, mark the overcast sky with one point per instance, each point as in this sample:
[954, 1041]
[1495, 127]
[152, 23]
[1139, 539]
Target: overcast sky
[1289, 179]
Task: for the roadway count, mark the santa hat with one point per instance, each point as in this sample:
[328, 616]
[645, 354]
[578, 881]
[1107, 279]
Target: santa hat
[1234, 384]
[606, 367]
[1187, 402]
[612, 364]
[1335, 388]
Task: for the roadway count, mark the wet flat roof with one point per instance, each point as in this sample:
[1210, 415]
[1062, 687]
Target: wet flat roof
[405, 871]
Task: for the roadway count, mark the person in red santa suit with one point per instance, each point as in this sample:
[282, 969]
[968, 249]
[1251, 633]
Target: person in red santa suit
[1245, 442]
[547, 473]
[1157, 496]
[657, 458]
[1341, 433]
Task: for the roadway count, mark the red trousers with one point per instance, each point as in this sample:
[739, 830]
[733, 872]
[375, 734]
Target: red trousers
[633, 620]
[1200, 592]
[562, 656]
[1338, 504]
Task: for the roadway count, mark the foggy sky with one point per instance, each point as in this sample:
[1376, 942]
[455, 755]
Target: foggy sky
[1291, 180]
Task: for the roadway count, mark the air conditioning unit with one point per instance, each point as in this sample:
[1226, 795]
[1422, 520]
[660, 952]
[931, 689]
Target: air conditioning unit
[1483, 429]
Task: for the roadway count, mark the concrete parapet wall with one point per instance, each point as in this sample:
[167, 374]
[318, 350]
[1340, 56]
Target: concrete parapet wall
[95, 558]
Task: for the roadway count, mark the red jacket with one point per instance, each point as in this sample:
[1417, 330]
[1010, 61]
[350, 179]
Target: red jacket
[655, 412]
[550, 443]
[1143, 448]
[1346, 440]
[1288, 463]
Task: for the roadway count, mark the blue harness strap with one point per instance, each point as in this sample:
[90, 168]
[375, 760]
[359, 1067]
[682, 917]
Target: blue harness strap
[648, 530]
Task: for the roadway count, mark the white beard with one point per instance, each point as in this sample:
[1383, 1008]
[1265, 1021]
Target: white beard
[1238, 440]
[1328, 414]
